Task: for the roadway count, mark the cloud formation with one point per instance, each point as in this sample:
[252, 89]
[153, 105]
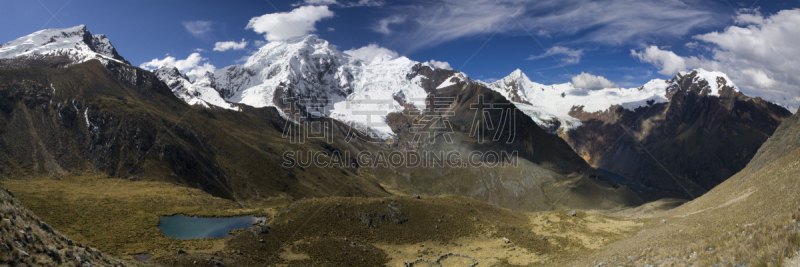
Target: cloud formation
[758, 53]
[669, 63]
[193, 66]
[566, 55]
[225, 46]
[370, 52]
[589, 81]
[198, 28]
[440, 64]
[383, 24]
[281, 26]
[613, 22]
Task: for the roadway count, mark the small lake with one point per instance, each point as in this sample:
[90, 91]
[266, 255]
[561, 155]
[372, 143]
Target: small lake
[622, 180]
[186, 227]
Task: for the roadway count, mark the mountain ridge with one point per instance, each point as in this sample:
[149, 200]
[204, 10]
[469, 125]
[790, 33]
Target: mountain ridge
[76, 42]
[289, 69]
[347, 78]
[127, 122]
[588, 119]
[255, 82]
[687, 145]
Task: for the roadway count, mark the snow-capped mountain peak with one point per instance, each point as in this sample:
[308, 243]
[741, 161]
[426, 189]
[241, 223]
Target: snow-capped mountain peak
[516, 74]
[309, 69]
[76, 42]
[550, 105]
[293, 48]
[517, 87]
[306, 67]
[206, 80]
[713, 81]
[168, 72]
[202, 91]
[327, 81]
[381, 58]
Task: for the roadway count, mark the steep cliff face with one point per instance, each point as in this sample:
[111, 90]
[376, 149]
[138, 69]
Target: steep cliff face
[125, 122]
[687, 145]
[472, 123]
[87, 117]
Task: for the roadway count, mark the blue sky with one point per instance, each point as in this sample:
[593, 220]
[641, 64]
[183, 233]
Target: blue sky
[628, 42]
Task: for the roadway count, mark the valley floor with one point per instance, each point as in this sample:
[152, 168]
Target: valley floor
[120, 217]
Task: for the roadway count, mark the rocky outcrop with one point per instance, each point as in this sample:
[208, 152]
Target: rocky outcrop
[687, 145]
[25, 240]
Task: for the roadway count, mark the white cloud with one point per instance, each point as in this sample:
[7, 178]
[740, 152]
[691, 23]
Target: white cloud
[200, 70]
[692, 45]
[759, 78]
[157, 63]
[330, 29]
[225, 46]
[383, 25]
[298, 22]
[588, 81]
[193, 66]
[749, 16]
[198, 28]
[568, 56]
[612, 22]
[758, 53]
[198, 50]
[370, 52]
[440, 64]
[669, 63]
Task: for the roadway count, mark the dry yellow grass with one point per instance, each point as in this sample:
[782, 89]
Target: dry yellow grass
[749, 219]
[119, 216]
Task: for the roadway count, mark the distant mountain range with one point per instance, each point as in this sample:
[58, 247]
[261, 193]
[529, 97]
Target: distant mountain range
[675, 137]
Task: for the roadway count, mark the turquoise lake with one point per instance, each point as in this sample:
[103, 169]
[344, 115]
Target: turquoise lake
[186, 227]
